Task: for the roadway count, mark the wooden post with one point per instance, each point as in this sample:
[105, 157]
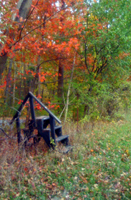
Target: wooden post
[32, 109]
[52, 126]
[18, 130]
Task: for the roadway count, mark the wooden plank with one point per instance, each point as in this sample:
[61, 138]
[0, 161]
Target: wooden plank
[62, 137]
[18, 130]
[42, 117]
[43, 106]
[32, 110]
[19, 109]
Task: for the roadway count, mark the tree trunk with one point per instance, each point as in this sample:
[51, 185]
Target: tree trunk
[60, 79]
[37, 81]
[61, 67]
[3, 59]
[8, 79]
[68, 92]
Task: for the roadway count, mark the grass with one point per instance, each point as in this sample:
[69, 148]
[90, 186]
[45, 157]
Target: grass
[98, 168]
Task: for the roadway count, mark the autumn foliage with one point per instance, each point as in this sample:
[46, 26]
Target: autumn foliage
[62, 46]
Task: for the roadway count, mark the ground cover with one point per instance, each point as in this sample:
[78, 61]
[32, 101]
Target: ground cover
[98, 168]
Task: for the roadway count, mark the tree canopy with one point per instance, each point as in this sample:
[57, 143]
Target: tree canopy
[71, 54]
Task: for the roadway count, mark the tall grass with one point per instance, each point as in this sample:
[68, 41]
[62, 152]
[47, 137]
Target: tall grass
[98, 167]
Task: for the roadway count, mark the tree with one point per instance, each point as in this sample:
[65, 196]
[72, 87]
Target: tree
[39, 38]
[106, 36]
[23, 8]
[43, 47]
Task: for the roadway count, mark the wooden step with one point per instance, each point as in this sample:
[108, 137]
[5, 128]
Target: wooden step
[62, 138]
[42, 118]
[42, 122]
[56, 128]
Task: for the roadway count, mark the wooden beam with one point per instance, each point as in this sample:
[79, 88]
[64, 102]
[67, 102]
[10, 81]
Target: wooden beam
[19, 109]
[46, 109]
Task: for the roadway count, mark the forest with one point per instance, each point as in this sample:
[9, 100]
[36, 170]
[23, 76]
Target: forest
[74, 56]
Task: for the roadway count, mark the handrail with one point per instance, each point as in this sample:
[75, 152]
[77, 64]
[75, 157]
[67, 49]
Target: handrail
[47, 110]
[24, 101]
[20, 108]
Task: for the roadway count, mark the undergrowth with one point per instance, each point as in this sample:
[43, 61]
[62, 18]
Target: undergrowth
[98, 167]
